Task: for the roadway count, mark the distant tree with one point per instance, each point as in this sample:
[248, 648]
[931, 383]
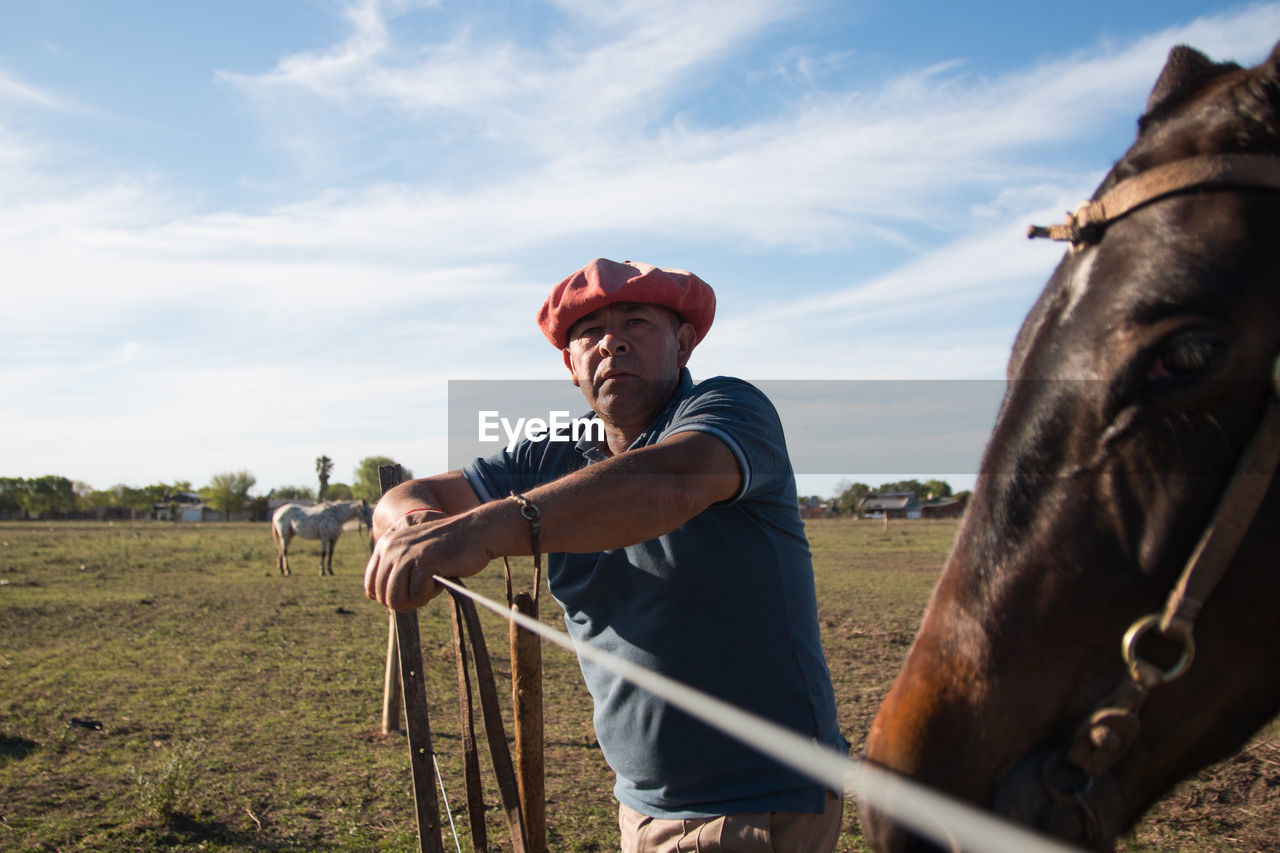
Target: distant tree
[137, 500]
[922, 491]
[293, 493]
[339, 492]
[228, 491]
[937, 488]
[915, 487]
[324, 467]
[96, 499]
[850, 496]
[366, 485]
[259, 509]
[12, 490]
[157, 493]
[49, 495]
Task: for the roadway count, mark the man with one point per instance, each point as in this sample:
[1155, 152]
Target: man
[675, 543]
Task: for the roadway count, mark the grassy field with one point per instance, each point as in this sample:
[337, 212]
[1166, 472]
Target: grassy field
[165, 689]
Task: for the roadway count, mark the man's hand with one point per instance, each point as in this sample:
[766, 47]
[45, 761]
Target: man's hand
[592, 509]
[400, 571]
[424, 499]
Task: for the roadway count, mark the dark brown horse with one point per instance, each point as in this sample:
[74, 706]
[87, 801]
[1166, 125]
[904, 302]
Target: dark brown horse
[1139, 382]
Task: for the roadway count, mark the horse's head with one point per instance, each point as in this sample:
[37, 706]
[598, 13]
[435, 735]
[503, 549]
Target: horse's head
[1136, 382]
[358, 509]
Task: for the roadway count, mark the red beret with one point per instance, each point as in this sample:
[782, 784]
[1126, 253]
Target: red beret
[602, 282]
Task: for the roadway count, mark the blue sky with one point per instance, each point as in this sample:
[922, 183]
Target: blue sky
[239, 235]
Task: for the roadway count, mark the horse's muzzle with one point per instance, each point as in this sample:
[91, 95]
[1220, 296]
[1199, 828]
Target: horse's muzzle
[1046, 793]
[886, 835]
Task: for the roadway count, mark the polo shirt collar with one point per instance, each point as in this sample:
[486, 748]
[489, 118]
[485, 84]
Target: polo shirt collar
[592, 451]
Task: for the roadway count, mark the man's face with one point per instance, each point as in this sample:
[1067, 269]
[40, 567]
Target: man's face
[626, 358]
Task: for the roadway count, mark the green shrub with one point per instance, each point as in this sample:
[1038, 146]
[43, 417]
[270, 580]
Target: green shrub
[171, 789]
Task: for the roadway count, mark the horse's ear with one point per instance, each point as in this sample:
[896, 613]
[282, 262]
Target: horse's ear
[1270, 69]
[1185, 71]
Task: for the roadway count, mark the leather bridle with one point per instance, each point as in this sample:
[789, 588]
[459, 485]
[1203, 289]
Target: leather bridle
[1101, 741]
[1210, 172]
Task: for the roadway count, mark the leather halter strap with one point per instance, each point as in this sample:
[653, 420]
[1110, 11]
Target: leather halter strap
[1215, 171]
[1257, 465]
[1231, 519]
[1103, 739]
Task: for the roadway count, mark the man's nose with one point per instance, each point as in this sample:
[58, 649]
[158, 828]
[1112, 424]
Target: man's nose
[613, 343]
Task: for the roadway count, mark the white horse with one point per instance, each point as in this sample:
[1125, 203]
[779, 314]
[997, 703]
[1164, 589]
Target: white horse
[323, 522]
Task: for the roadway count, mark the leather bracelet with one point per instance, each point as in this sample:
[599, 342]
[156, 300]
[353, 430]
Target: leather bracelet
[530, 512]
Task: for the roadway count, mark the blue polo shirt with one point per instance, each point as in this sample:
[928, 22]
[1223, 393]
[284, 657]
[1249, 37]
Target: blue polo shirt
[724, 603]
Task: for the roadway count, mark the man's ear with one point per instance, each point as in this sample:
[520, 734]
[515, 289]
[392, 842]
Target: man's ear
[569, 364]
[686, 340]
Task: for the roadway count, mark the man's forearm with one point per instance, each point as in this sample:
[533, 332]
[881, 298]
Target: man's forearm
[448, 493]
[621, 501]
[631, 498]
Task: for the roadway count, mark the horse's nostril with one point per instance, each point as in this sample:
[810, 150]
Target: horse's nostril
[885, 835]
[1061, 822]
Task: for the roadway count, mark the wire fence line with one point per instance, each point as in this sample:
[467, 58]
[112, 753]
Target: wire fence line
[946, 821]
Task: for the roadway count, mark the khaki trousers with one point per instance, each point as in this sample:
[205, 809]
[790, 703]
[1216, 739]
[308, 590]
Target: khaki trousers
[764, 832]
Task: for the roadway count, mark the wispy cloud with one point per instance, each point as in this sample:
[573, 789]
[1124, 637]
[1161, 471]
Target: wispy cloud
[840, 169]
[606, 73]
[602, 61]
[15, 90]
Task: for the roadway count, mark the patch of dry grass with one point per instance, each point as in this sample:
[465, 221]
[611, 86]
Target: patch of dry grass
[164, 689]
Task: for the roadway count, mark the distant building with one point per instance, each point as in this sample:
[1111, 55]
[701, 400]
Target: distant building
[952, 507]
[274, 504]
[188, 506]
[890, 505]
[818, 509]
[198, 512]
[171, 508]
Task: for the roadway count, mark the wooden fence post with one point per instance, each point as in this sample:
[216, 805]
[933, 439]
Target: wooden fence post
[413, 686]
[403, 682]
[526, 699]
[392, 690]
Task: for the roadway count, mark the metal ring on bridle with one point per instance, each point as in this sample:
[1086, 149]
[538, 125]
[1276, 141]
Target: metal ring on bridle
[1144, 672]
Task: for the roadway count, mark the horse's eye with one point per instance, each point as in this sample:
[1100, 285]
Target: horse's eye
[1185, 354]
